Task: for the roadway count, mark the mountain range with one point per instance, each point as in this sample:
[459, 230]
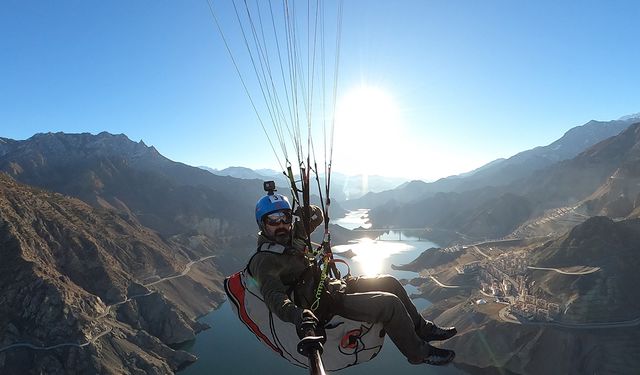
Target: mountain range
[110, 244]
[572, 232]
[601, 180]
[110, 171]
[502, 172]
[111, 251]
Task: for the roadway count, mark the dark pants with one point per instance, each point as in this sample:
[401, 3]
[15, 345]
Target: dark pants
[382, 299]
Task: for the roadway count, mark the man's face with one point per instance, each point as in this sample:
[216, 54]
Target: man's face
[278, 226]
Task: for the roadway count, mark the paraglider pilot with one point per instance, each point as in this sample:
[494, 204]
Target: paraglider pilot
[283, 267]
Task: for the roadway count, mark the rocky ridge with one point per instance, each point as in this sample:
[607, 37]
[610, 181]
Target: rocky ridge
[110, 171]
[74, 276]
[598, 330]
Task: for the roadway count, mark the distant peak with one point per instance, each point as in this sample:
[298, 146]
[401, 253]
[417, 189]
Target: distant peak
[416, 182]
[103, 143]
[635, 116]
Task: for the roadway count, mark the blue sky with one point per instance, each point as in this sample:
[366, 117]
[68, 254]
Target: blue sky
[467, 81]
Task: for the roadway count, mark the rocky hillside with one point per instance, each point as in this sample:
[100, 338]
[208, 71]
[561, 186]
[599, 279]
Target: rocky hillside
[478, 214]
[111, 171]
[523, 164]
[590, 271]
[97, 283]
[574, 180]
[200, 210]
[119, 263]
[487, 346]
[606, 295]
[619, 196]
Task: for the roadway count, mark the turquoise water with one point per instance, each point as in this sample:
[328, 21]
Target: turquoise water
[229, 348]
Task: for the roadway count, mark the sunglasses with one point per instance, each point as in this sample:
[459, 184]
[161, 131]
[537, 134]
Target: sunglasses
[278, 217]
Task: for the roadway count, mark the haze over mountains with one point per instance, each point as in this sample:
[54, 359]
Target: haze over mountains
[601, 180]
[110, 245]
[345, 187]
[504, 171]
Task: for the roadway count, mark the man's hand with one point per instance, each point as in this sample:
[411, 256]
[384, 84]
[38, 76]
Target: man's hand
[305, 323]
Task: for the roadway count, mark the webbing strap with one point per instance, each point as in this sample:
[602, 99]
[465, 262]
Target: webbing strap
[320, 287]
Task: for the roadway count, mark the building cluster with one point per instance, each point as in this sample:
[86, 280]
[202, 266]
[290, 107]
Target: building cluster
[495, 288]
[470, 267]
[512, 265]
[491, 274]
[504, 278]
[492, 283]
[530, 307]
[453, 249]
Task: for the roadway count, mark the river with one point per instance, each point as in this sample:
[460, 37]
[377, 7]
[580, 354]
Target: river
[229, 348]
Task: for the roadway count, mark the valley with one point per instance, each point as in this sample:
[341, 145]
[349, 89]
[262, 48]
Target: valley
[111, 252]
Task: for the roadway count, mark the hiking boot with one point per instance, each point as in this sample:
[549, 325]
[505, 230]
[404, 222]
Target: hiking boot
[431, 332]
[436, 357]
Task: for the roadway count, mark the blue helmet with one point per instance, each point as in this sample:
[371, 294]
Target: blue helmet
[270, 203]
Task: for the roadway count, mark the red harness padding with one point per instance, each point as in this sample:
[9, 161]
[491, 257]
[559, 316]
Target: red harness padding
[235, 290]
[350, 339]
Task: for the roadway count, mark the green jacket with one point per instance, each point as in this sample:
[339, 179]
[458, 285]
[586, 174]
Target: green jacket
[286, 275]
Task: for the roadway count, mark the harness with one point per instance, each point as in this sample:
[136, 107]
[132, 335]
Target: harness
[316, 272]
[348, 342]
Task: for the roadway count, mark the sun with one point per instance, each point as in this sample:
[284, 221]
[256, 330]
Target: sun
[368, 125]
[364, 112]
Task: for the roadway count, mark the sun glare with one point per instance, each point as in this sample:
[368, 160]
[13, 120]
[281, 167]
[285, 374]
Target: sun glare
[368, 125]
[371, 255]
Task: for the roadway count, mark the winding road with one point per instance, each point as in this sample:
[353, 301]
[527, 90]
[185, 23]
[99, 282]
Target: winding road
[585, 272]
[480, 251]
[35, 347]
[445, 286]
[108, 310]
[186, 271]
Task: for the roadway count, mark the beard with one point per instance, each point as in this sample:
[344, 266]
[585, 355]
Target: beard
[282, 236]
